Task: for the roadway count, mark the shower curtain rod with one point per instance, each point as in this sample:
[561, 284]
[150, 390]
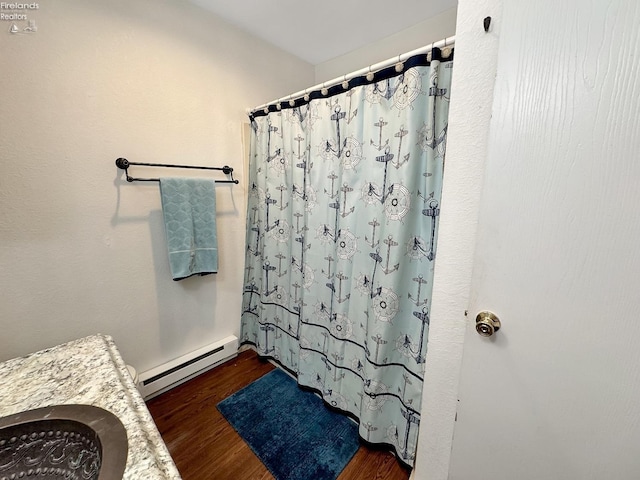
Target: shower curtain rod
[371, 69]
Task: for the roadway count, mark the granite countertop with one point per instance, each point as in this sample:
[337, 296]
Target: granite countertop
[88, 371]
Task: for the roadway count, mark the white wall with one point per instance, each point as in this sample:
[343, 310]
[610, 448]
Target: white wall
[428, 31]
[467, 142]
[82, 251]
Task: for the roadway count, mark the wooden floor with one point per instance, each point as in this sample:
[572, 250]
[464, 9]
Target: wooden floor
[205, 446]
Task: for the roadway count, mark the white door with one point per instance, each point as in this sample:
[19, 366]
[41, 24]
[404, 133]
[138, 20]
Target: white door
[555, 394]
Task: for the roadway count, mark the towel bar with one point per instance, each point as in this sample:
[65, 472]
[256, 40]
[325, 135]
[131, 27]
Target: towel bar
[124, 164]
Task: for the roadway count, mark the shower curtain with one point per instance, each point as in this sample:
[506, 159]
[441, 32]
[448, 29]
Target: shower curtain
[342, 222]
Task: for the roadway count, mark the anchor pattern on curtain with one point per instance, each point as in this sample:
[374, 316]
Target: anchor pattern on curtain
[343, 210]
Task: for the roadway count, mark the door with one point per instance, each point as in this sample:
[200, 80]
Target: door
[555, 394]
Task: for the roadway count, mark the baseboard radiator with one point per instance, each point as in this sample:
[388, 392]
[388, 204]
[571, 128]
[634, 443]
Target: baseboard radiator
[171, 374]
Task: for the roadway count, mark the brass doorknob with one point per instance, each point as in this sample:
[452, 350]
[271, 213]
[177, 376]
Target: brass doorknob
[487, 323]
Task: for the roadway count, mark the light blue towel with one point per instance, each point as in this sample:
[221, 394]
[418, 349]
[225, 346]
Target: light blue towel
[189, 210]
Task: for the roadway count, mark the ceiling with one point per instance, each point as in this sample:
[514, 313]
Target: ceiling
[321, 31]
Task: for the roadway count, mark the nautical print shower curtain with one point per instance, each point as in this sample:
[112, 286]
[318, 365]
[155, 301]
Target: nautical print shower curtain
[343, 209]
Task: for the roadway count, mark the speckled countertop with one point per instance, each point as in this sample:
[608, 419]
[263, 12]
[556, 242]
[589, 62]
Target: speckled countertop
[88, 371]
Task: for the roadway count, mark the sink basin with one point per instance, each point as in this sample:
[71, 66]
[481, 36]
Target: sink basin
[70, 442]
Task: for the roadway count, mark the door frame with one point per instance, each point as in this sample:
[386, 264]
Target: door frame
[475, 66]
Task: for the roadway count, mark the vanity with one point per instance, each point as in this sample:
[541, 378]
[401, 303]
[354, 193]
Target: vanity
[89, 371]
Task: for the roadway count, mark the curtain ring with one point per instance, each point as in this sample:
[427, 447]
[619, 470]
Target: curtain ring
[292, 102]
[399, 65]
[446, 50]
[325, 90]
[345, 84]
[306, 95]
[429, 49]
[370, 75]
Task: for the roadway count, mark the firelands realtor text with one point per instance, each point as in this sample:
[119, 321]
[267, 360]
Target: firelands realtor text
[12, 13]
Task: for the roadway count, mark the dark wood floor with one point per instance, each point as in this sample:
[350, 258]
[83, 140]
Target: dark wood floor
[205, 446]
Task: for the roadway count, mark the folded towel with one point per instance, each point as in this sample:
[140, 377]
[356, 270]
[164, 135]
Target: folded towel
[189, 210]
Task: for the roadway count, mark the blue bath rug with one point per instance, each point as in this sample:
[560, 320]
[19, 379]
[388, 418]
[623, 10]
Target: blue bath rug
[290, 430]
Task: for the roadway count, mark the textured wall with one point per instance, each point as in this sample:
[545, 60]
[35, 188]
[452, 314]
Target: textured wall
[82, 250]
[467, 143]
